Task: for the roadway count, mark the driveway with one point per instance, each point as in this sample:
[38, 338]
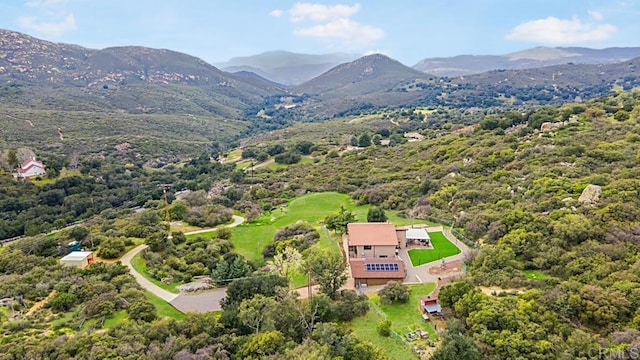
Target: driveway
[199, 302]
[420, 274]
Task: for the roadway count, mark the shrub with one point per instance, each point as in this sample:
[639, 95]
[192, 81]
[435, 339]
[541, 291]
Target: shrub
[63, 302]
[384, 328]
[112, 248]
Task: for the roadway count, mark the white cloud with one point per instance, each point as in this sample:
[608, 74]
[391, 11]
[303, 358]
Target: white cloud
[276, 13]
[351, 32]
[319, 12]
[596, 15]
[560, 31]
[50, 28]
[43, 3]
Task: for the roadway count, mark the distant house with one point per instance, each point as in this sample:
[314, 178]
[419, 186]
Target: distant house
[29, 168]
[78, 259]
[413, 136]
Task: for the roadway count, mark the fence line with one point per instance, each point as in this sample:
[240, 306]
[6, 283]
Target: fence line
[454, 231]
[463, 238]
[394, 335]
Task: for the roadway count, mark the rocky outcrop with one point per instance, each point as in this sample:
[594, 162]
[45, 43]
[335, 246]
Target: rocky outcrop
[590, 195]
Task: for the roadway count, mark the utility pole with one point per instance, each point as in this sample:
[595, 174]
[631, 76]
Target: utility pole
[167, 216]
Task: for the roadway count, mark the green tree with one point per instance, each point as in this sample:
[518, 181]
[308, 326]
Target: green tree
[286, 261]
[258, 312]
[79, 233]
[63, 302]
[12, 158]
[364, 140]
[305, 147]
[338, 222]
[376, 214]
[178, 210]
[111, 248]
[394, 292]
[262, 345]
[232, 266]
[455, 345]
[327, 268]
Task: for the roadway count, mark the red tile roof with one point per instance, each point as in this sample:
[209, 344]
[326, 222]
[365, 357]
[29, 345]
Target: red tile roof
[359, 269]
[372, 234]
[28, 164]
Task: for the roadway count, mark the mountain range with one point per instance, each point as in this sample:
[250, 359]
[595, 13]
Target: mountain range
[293, 69]
[285, 67]
[144, 80]
[527, 59]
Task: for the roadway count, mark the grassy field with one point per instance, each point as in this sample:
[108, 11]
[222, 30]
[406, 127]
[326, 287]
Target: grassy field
[407, 317]
[250, 238]
[234, 155]
[536, 275]
[163, 308]
[364, 327]
[139, 264]
[63, 174]
[117, 318]
[404, 318]
[442, 248]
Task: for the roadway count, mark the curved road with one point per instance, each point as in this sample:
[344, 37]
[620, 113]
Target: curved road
[200, 302]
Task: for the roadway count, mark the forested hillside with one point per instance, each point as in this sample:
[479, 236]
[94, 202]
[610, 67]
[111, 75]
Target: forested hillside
[550, 195]
[514, 185]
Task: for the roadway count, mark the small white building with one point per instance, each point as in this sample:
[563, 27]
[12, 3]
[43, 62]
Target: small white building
[418, 235]
[29, 168]
[78, 259]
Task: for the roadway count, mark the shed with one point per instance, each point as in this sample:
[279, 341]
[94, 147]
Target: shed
[78, 259]
[431, 306]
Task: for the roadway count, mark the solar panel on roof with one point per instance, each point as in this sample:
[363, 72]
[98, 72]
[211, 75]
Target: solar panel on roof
[382, 267]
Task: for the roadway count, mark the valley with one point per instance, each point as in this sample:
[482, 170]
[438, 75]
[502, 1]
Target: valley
[173, 172]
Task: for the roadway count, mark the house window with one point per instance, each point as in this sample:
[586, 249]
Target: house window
[367, 247]
[383, 256]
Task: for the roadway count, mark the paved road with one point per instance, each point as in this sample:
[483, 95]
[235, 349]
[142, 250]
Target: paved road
[201, 302]
[142, 281]
[237, 220]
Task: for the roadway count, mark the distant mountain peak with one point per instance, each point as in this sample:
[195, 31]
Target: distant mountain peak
[286, 67]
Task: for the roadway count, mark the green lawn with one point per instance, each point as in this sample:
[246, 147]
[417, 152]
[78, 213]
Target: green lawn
[234, 155]
[250, 238]
[536, 275]
[442, 248]
[364, 327]
[163, 308]
[407, 317]
[404, 318]
[63, 174]
[117, 318]
[139, 264]
[241, 165]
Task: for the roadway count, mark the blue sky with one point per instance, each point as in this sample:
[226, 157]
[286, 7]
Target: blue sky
[407, 30]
